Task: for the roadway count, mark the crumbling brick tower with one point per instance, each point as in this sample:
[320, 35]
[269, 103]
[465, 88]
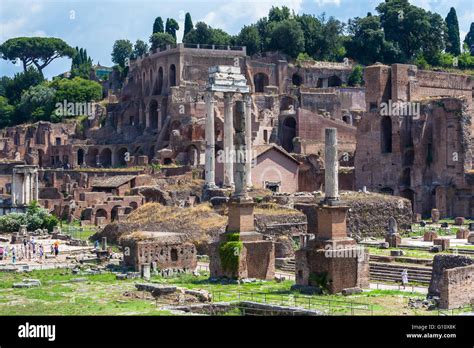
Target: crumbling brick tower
[421, 149]
[332, 260]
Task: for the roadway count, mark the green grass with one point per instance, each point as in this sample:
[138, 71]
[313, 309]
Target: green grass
[104, 295]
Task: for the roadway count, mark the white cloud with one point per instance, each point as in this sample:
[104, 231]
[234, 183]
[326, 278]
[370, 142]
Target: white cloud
[11, 28]
[322, 3]
[226, 16]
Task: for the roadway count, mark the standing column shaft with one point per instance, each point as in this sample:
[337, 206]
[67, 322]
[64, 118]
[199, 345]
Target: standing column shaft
[210, 165]
[241, 158]
[248, 137]
[331, 165]
[36, 186]
[228, 141]
[13, 188]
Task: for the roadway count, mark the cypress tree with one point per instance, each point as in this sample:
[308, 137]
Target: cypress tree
[188, 24]
[453, 44]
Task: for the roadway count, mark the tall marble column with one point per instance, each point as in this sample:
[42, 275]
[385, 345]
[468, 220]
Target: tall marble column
[228, 140]
[147, 116]
[331, 165]
[13, 188]
[240, 144]
[36, 186]
[248, 137]
[210, 164]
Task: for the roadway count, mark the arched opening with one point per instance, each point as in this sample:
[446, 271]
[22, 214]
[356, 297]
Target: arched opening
[153, 109]
[174, 254]
[40, 158]
[347, 119]
[320, 83]
[297, 80]
[159, 82]
[193, 156]
[114, 213]
[106, 158]
[172, 75]
[121, 157]
[260, 80]
[410, 195]
[101, 213]
[80, 157]
[334, 81]
[288, 133]
[405, 179]
[386, 134]
[134, 205]
[91, 157]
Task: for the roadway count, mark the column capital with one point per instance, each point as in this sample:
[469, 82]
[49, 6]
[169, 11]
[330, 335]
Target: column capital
[228, 97]
[209, 97]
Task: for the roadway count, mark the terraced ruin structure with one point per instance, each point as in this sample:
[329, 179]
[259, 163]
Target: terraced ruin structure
[327, 170]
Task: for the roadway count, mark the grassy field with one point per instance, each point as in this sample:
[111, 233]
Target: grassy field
[103, 295]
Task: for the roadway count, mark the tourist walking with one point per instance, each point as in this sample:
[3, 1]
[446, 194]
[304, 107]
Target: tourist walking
[41, 252]
[404, 278]
[56, 248]
[14, 255]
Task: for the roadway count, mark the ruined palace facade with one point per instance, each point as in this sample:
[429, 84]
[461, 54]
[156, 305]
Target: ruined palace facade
[425, 156]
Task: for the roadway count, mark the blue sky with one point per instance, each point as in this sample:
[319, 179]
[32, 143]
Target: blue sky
[96, 24]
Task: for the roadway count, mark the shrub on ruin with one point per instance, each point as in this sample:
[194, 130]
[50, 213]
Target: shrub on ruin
[34, 218]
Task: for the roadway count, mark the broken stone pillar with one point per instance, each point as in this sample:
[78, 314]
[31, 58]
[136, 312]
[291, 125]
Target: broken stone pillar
[104, 243]
[228, 140]
[435, 215]
[331, 188]
[241, 217]
[392, 237]
[332, 261]
[146, 271]
[210, 164]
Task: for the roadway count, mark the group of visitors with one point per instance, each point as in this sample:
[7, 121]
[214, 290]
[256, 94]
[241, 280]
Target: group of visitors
[27, 250]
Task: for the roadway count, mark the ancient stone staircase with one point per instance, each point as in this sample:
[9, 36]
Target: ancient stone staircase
[391, 272]
[382, 271]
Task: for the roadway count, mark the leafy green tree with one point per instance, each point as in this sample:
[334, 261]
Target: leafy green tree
[161, 40]
[312, 29]
[76, 90]
[250, 38]
[188, 24]
[158, 26]
[6, 112]
[277, 14]
[331, 43]
[140, 48]
[453, 43]
[21, 82]
[171, 27]
[367, 42]
[121, 52]
[288, 37]
[356, 78]
[37, 103]
[204, 34]
[37, 51]
[412, 29]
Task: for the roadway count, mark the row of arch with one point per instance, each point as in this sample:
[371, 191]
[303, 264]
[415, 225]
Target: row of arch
[104, 158]
[158, 86]
[261, 80]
